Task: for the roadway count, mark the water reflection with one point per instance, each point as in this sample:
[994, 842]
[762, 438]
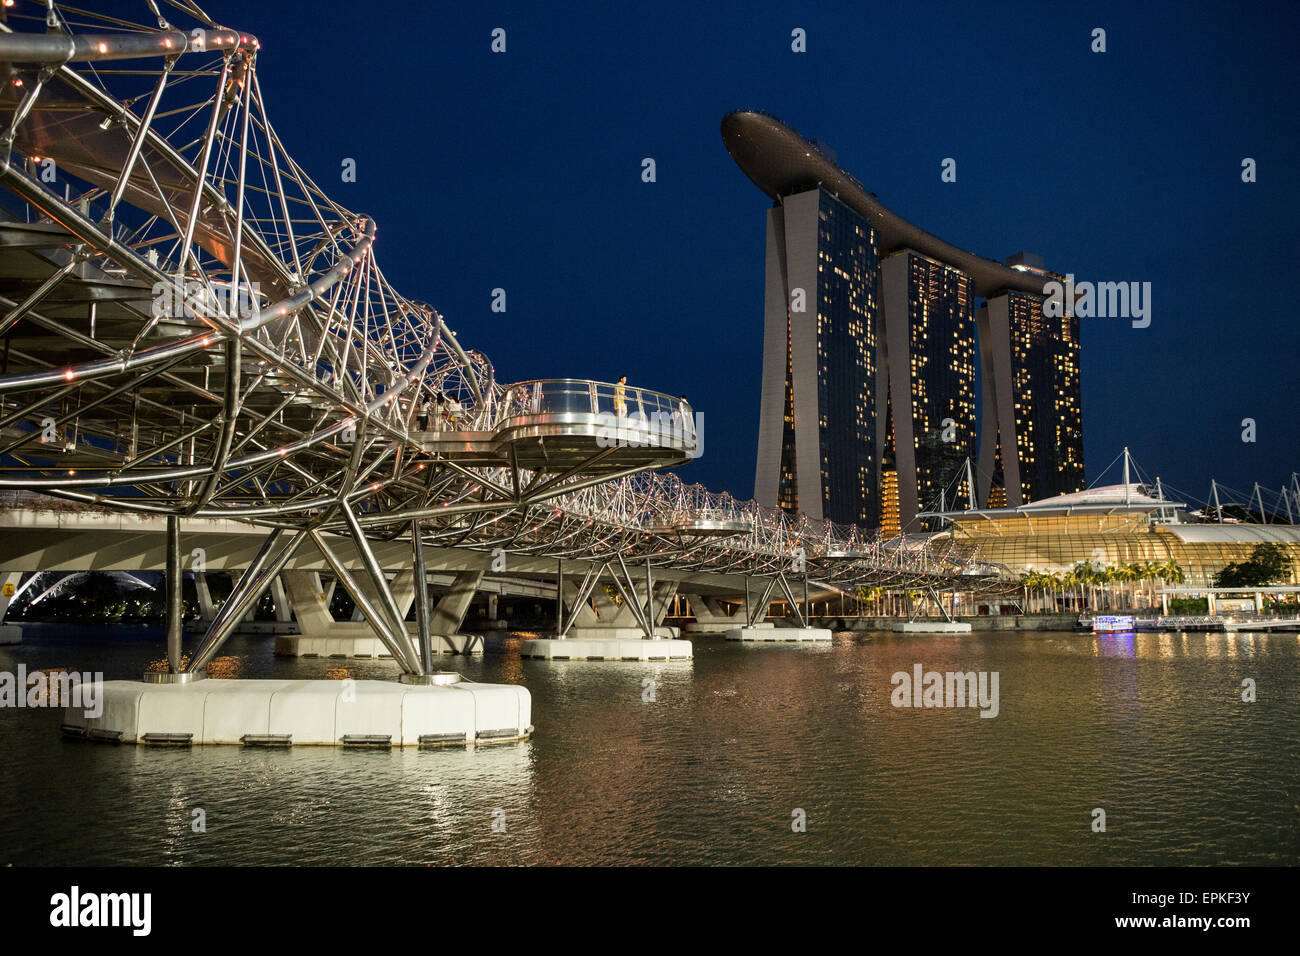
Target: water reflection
[1116, 645]
[228, 667]
[708, 767]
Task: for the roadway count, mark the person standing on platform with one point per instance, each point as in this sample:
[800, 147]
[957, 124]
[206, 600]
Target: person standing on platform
[620, 397]
[439, 410]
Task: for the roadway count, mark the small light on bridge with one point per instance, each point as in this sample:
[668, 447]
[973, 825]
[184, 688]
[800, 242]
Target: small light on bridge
[69, 375]
[103, 48]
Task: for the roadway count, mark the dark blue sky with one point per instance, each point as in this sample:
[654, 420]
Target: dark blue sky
[522, 171]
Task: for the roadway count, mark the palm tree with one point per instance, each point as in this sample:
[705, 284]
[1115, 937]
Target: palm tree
[1129, 574]
[1041, 582]
[1135, 574]
[1149, 572]
[1069, 581]
[1034, 581]
[1174, 572]
[1083, 577]
[1046, 585]
[1105, 578]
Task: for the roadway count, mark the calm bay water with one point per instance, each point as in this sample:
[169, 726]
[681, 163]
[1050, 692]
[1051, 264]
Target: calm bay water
[1150, 728]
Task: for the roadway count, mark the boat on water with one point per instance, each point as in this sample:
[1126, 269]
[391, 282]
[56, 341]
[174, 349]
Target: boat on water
[1113, 624]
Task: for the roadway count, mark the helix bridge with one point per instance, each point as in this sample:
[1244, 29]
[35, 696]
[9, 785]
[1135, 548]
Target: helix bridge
[192, 328]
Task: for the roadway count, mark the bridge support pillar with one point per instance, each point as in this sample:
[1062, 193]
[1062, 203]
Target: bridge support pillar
[283, 608]
[175, 611]
[606, 630]
[756, 629]
[608, 619]
[449, 613]
[206, 611]
[711, 617]
[322, 636]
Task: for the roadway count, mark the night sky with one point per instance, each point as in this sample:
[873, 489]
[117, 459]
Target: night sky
[522, 171]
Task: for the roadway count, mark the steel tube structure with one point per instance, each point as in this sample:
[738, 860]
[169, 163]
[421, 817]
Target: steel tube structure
[421, 597]
[197, 329]
[174, 608]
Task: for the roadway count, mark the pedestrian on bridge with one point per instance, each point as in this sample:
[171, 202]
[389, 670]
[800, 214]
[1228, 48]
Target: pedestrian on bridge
[620, 392]
[439, 410]
[454, 408]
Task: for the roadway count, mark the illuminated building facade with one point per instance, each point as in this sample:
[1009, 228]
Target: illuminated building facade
[1031, 396]
[819, 454]
[1108, 527]
[889, 518]
[870, 334]
[930, 349]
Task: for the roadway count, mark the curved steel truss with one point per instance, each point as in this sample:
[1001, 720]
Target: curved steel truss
[192, 327]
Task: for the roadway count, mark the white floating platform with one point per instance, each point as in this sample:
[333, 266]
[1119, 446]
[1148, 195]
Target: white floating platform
[622, 633]
[709, 627]
[292, 712]
[607, 649]
[933, 627]
[10, 634]
[768, 633]
[366, 645]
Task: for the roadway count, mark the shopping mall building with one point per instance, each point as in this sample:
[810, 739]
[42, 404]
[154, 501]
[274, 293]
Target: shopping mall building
[1113, 525]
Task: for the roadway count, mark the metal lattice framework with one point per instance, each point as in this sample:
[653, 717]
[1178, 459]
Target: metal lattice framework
[193, 327]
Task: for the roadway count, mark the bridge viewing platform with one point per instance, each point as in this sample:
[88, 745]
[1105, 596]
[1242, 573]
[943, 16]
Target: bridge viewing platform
[558, 425]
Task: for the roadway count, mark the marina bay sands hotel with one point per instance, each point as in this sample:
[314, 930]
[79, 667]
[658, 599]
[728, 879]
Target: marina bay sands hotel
[871, 328]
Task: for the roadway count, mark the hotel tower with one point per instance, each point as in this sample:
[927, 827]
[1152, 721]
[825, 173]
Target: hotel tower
[869, 392]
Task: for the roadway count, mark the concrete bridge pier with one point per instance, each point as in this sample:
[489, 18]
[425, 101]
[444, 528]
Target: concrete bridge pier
[9, 581]
[754, 628]
[596, 628]
[447, 616]
[283, 609]
[322, 636]
[711, 617]
[319, 635]
[207, 613]
[602, 617]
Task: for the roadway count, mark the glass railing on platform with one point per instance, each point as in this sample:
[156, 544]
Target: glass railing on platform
[638, 406]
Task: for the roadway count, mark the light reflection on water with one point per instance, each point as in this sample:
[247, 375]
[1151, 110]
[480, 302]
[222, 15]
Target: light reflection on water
[1150, 727]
